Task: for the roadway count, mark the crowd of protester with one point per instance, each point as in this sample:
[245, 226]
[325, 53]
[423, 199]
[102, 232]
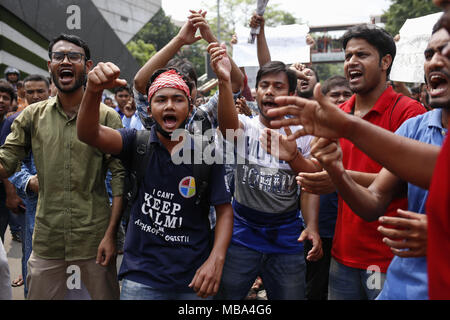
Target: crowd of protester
[335, 189]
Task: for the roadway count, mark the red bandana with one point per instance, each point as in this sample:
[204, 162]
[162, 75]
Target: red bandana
[168, 79]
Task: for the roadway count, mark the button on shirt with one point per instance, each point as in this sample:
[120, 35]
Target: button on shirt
[73, 210]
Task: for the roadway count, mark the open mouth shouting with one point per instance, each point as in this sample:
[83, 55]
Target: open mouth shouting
[304, 85]
[269, 104]
[438, 84]
[169, 122]
[354, 76]
[66, 76]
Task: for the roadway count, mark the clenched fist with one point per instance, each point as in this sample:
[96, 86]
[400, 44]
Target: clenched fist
[104, 76]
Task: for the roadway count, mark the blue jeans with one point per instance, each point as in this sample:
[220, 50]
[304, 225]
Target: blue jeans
[347, 283]
[283, 275]
[27, 238]
[137, 291]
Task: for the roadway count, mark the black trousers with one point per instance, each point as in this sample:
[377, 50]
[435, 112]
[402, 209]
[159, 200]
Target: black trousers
[317, 272]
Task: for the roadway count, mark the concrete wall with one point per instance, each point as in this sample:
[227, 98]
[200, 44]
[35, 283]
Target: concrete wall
[49, 18]
[127, 17]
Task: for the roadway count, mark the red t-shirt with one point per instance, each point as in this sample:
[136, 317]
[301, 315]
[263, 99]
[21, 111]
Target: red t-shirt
[357, 243]
[438, 213]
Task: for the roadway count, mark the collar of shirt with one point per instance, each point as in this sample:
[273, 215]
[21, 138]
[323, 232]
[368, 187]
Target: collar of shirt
[436, 121]
[387, 98]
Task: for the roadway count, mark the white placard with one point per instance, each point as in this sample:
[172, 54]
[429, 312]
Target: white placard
[286, 43]
[414, 37]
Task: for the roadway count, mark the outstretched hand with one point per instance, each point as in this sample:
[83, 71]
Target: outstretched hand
[104, 76]
[278, 145]
[319, 117]
[220, 62]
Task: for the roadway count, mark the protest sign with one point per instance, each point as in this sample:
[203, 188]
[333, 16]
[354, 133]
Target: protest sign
[414, 37]
[286, 43]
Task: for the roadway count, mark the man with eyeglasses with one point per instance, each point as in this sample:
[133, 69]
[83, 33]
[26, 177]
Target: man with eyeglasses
[75, 227]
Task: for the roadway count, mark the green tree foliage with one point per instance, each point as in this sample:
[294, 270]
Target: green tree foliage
[327, 70]
[235, 13]
[275, 17]
[141, 50]
[158, 31]
[156, 34]
[400, 10]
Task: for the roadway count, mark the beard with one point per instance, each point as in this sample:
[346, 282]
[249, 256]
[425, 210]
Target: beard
[308, 94]
[436, 104]
[79, 82]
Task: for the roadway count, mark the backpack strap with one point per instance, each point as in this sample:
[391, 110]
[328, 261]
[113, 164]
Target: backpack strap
[392, 111]
[143, 150]
[202, 172]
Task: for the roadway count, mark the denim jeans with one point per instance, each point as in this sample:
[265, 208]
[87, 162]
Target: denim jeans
[27, 238]
[347, 283]
[132, 290]
[283, 275]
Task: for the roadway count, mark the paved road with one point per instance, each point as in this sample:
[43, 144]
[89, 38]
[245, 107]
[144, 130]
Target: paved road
[14, 253]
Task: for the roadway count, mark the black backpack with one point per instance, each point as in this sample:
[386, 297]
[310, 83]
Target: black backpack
[143, 150]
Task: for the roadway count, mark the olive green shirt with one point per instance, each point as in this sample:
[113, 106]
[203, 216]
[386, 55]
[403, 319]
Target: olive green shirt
[73, 209]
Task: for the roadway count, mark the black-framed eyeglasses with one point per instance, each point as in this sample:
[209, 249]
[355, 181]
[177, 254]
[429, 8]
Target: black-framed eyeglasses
[73, 57]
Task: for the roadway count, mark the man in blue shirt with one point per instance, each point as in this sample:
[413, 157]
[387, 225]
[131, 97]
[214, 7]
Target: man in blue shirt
[407, 273]
[413, 284]
[122, 95]
[37, 88]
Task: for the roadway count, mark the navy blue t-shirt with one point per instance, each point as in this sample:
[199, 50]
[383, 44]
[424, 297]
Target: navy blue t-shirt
[5, 127]
[168, 237]
[328, 214]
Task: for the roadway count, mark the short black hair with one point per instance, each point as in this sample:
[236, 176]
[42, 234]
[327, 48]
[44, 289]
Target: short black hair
[123, 88]
[334, 81]
[277, 67]
[37, 77]
[184, 66]
[376, 36]
[72, 39]
[443, 22]
[5, 86]
[415, 90]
